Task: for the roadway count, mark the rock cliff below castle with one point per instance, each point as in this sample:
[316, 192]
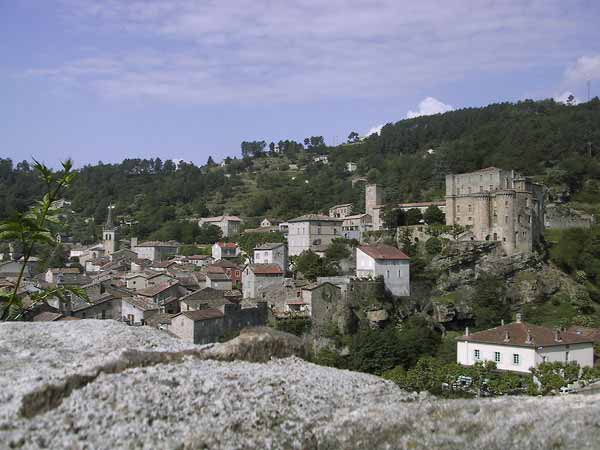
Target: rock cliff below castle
[101, 384]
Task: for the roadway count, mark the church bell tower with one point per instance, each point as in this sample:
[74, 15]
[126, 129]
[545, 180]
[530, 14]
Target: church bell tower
[109, 234]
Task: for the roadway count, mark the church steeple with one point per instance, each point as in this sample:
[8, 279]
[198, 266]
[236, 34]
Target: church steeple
[109, 221]
[109, 233]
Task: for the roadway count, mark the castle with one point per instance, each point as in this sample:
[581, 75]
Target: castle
[497, 205]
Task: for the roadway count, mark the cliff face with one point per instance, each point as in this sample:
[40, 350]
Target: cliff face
[101, 384]
[527, 278]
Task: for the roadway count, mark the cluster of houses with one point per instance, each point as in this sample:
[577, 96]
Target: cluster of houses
[206, 297]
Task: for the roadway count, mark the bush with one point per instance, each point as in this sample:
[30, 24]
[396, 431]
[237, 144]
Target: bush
[433, 246]
[293, 326]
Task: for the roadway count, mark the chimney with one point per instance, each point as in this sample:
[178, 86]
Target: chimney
[518, 318]
[134, 242]
[466, 331]
[506, 336]
[529, 337]
[557, 337]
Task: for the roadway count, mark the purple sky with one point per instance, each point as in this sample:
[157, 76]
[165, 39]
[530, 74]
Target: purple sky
[184, 79]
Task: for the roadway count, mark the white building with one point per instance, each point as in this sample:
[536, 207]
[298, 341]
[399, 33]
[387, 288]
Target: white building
[272, 253]
[219, 281]
[229, 225]
[388, 262]
[312, 232]
[221, 250]
[322, 159]
[137, 310]
[351, 166]
[520, 346]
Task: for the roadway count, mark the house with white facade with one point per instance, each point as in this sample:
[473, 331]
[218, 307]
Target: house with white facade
[272, 253]
[229, 225]
[221, 250]
[218, 281]
[137, 310]
[312, 232]
[520, 346]
[351, 166]
[385, 261]
[259, 278]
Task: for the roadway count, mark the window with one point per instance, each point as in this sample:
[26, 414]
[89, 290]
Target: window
[457, 208]
[477, 355]
[516, 359]
[470, 208]
[497, 357]
[566, 356]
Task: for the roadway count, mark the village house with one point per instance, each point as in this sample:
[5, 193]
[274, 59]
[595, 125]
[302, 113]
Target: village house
[137, 310]
[199, 260]
[340, 211]
[123, 254]
[272, 253]
[321, 159]
[312, 232]
[155, 250]
[385, 261]
[354, 226]
[520, 346]
[107, 306]
[161, 293]
[53, 275]
[259, 278]
[497, 205]
[221, 250]
[218, 280]
[142, 280]
[351, 166]
[229, 268]
[229, 225]
[203, 299]
[204, 326]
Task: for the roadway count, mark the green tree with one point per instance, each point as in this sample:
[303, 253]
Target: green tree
[413, 216]
[433, 215]
[209, 234]
[490, 304]
[33, 228]
[312, 266]
[353, 137]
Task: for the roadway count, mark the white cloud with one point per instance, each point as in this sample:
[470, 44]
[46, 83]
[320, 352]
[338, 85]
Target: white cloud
[374, 130]
[567, 97]
[429, 106]
[301, 50]
[585, 68]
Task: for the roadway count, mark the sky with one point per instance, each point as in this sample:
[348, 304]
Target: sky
[104, 80]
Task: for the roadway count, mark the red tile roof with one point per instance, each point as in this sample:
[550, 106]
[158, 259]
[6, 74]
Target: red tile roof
[589, 333]
[227, 245]
[517, 334]
[266, 269]
[384, 252]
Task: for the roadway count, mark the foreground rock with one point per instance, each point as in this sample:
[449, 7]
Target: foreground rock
[187, 401]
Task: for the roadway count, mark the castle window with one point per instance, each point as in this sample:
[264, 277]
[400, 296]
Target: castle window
[457, 208]
[505, 219]
[470, 208]
[480, 188]
[470, 219]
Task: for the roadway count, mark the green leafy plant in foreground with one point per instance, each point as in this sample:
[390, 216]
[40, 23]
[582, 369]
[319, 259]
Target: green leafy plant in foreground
[32, 228]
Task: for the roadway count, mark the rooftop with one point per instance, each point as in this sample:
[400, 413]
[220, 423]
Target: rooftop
[524, 334]
[315, 217]
[202, 314]
[386, 252]
[266, 269]
[141, 303]
[269, 246]
[151, 291]
[158, 244]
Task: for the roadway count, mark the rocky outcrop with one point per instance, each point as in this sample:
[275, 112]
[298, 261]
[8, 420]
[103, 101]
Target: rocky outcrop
[169, 397]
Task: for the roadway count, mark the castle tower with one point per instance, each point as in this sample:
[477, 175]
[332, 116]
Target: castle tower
[109, 234]
[373, 204]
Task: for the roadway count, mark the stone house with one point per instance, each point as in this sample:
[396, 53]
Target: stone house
[354, 226]
[143, 280]
[326, 306]
[374, 205]
[218, 280]
[199, 260]
[108, 306]
[232, 270]
[341, 211]
[160, 293]
[497, 205]
[53, 275]
[204, 326]
[221, 250]
[387, 262]
[272, 253]
[312, 232]
[137, 310]
[155, 250]
[520, 346]
[229, 225]
[258, 278]
[203, 298]
[123, 254]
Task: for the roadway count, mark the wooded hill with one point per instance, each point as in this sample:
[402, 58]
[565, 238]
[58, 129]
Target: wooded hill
[558, 144]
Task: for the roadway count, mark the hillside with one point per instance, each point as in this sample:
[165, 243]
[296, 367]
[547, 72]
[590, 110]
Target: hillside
[558, 144]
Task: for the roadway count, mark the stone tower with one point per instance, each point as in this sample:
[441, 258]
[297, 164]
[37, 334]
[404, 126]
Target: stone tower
[109, 234]
[374, 204]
